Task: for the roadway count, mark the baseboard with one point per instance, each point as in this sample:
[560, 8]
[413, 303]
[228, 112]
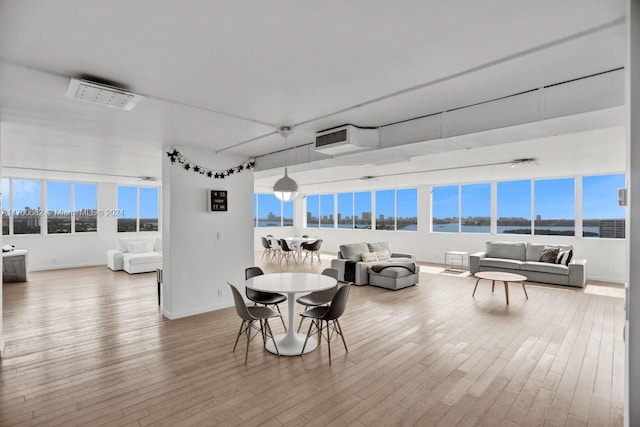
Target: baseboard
[605, 279]
[62, 267]
[195, 311]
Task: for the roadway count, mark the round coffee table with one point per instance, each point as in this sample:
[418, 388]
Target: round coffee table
[501, 277]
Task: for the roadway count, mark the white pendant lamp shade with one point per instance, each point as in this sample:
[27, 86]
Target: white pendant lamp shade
[285, 188]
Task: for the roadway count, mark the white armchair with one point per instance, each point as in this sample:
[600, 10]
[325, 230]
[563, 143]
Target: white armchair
[136, 255]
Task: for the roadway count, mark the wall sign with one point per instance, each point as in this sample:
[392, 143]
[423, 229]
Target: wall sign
[218, 200]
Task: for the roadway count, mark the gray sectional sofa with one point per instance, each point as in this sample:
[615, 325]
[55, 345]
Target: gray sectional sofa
[524, 258]
[359, 272]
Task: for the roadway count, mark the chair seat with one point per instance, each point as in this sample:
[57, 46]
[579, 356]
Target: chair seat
[315, 299]
[315, 312]
[267, 298]
[259, 312]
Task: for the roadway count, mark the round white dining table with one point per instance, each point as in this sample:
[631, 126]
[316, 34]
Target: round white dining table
[290, 344]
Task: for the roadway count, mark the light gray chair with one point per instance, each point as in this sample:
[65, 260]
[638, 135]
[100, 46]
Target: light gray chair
[316, 299]
[328, 314]
[264, 298]
[249, 316]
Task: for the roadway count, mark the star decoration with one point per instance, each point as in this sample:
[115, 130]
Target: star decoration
[176, 157]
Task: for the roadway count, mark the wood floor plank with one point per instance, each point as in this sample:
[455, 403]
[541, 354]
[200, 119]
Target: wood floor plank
[90, 346]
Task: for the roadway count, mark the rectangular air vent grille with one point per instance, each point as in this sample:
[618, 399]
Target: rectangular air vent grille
[331, 138]
[96, 93]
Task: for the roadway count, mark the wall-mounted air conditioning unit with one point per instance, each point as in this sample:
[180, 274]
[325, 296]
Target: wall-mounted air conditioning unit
[346, 139]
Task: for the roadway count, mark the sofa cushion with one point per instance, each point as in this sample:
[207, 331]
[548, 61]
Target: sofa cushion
[545, 267]
[352, 251]
[379, 247]
[142, 258]
[549, 255]
[138, 247]
[506, 250]
[393, 272]
[501, 263]
[369, 256]
[534, 250]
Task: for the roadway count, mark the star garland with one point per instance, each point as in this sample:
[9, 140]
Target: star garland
[176, 157]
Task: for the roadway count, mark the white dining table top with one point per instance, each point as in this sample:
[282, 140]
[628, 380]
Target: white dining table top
[291, 282]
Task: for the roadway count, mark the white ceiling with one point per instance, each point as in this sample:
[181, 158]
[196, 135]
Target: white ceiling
[217, 74]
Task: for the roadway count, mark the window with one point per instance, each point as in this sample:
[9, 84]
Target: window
[345, 210]
[272, 212]
[554, 207]
[127, 209]
[514, 207]
[138, 209]
[362, 210]
[326, 211]
[85, 207]
[385, 210]
[407, 209]
[149, 207]
[601, 215]
[476, 208]
[445, 208]
[287, 213]
[58, 207]
[26, 206]
[313, 211]
[6, 206]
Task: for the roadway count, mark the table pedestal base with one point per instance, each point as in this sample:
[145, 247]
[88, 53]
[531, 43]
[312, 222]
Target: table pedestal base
[291, 344]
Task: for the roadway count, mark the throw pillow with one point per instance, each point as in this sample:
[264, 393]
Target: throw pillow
[549, 254]
[139, 247]
[382, 255]
[369, 256]
[564, 256]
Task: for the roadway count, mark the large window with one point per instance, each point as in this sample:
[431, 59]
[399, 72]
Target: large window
[601, 215]
[554, 207]
[26, 206]
[345, 210]
[445, 206]
[326, 211]
[407, 209]
[514, 207]
[138, 208]
[385, 210]
[272, 212]
[58, 207]
[313, 211]
[85, 207]
[6, 205]
[476, 208]
[362, 210]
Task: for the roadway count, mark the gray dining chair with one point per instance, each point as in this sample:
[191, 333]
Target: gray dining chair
[267, 248]
[264, 298]
[316, 299]
[329, 315]
[249, 316]
[312, 249]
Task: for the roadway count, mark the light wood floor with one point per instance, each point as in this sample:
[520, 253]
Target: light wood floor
[90, 347]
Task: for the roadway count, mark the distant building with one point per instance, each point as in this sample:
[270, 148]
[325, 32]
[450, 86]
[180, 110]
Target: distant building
[366, 216]
[612, 228]
[538, 217]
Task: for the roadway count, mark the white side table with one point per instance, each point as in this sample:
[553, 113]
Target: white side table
[455, 260]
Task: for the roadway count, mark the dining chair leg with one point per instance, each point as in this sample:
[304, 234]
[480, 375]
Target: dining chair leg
[319, 327]
[268, 327]
[262, 332]
[239, 333]
[341, 335]
[246, 352]
[281, 318]
[329, 342]
[306, 338]
[302, 319]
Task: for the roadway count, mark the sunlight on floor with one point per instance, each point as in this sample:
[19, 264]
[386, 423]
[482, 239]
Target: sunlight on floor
[609, 290]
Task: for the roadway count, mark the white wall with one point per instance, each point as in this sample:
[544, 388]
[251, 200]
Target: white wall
[51, 251]
[197, 261]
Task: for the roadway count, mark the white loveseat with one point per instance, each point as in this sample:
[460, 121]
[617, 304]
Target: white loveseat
[136, 255]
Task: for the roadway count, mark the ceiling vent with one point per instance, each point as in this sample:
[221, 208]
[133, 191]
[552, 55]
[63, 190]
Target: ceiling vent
[96, 93]
[346, 139]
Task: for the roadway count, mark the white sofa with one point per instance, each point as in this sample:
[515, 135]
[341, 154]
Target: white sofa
[136, 255]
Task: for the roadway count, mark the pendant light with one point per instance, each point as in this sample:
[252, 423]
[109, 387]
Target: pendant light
[285, 188]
